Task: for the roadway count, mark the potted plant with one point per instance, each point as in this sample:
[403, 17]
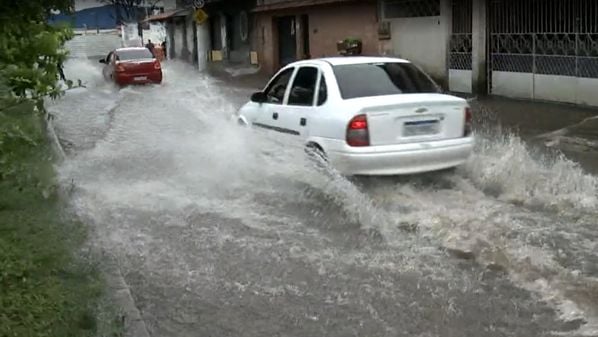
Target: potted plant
[349, 46]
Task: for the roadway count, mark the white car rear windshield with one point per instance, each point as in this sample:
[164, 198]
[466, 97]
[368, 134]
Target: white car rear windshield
[378, 79]
[134, 54]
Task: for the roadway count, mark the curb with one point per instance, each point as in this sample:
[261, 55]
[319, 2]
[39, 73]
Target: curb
[134, 326]
[54, 137]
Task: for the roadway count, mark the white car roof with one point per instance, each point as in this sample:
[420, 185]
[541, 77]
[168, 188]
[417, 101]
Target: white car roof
[129, 48]
[345, 60]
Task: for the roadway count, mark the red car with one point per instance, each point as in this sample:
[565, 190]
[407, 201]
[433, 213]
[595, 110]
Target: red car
[132, 66]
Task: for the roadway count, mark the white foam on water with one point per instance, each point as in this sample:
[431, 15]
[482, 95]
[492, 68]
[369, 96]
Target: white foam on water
[507, 166]
[172, 149]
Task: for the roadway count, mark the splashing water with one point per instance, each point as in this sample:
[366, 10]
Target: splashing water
[505, 167]
[198, 207]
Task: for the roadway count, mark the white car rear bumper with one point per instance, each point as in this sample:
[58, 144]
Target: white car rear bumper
[400, 159]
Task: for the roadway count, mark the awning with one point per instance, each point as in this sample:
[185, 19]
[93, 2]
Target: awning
[296, 4]
[167, 15]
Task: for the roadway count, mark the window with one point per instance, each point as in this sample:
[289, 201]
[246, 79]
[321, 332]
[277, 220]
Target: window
[378, 79]
[304, 87]
[276, 90]
[410, 8]
[134, 54]
[322, 91]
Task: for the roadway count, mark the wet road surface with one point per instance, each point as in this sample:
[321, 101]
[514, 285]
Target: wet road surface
[224, 232]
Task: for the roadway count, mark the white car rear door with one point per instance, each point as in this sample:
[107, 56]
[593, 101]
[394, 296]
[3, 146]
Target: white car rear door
[301, 103]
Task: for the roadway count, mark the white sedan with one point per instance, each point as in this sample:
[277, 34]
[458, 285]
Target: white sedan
[365, 115]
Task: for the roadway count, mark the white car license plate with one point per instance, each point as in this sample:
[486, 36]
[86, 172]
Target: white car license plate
[421, 128]
[140, 78]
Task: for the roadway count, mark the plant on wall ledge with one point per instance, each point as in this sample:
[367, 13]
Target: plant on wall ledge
[349, 46]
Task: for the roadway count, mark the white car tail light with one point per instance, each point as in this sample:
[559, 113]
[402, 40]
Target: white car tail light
[358, 132]
[468, 124]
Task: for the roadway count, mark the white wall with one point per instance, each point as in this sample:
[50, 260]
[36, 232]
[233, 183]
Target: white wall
[460, 81]
[513, 84]
[545, 87]
[421, 40]
[203, 45]
[156, 33]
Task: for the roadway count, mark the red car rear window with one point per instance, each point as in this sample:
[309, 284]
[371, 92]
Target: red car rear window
[134, 54]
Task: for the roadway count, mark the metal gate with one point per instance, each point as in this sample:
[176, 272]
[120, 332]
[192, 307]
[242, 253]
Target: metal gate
[544, 49]
[460, 47]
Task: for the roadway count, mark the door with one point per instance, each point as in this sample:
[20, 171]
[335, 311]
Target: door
[287, 40]
[301, 104]
[305, 35]
[271, 112]
[108, 66]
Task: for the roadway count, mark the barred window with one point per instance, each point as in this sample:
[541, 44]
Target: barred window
[410, 8]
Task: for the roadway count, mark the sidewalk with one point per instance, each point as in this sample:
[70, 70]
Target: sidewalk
[571, 129]
[246, 77]
[531, 118]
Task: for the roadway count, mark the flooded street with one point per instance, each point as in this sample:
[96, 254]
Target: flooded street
[221, 231]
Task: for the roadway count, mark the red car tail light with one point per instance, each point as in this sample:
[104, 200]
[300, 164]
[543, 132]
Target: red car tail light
[120, 68]
[468, 124]
[157, 65]
[357, 131]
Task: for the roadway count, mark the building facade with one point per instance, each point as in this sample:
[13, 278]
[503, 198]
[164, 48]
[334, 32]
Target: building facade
[231, 31]
[286, 31]
[418, 30]
[536, 49]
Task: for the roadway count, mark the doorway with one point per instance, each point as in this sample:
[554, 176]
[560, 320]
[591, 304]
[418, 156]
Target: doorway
[305, 35]
[287, 40]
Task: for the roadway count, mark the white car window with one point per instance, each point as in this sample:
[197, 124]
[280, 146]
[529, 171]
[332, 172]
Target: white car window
[378, 79]
[134, 54]
[278, 87]
[322, 90]
[304, 86]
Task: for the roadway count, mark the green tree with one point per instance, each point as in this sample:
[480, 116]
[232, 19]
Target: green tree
[30, 48]
[30, 53]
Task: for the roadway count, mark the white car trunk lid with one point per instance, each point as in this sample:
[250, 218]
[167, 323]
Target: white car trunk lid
[413, 118]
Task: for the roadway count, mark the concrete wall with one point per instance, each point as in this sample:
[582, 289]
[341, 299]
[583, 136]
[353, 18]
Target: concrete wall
[554, 88]
[421, 40]
[203, 45]
[330, 24]
[459, 80]
[327, 25]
